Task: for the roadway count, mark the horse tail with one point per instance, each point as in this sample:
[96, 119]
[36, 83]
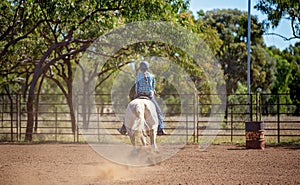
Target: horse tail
[141, 119]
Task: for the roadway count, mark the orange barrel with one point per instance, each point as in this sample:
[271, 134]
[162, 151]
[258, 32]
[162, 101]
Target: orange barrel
[255, 135]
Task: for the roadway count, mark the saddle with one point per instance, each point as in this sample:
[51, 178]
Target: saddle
[143, 97]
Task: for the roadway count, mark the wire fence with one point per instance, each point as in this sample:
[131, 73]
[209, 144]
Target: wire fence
[52, 119]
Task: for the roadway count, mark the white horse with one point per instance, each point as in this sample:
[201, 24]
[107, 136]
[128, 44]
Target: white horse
[141, 120]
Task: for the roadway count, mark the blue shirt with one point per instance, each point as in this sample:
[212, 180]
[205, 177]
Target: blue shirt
[144, 83]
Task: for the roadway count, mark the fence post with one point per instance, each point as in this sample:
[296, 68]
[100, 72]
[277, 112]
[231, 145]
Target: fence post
[55, 123]
[186, 127]
[17, 116]
[226, 111]
[195, 117]
[2, 111]
[197, 125]
[251, 107]
[12, 118]
[98, 126]
[278, 119]
[77, 118]
[259, 105]
[20, 116]
[256, 107]
[20, 123]
[231, 124]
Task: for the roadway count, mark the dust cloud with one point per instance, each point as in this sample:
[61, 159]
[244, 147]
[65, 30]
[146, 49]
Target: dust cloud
[106, 171]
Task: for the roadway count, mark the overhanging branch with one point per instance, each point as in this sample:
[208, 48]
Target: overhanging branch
[281, 36]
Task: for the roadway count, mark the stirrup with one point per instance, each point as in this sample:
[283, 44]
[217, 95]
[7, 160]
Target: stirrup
[121, 131]
[161, 132]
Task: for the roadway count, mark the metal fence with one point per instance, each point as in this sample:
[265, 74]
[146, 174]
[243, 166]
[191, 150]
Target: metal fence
[53, 123]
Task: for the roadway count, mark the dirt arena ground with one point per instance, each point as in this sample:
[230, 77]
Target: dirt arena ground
[79, 164]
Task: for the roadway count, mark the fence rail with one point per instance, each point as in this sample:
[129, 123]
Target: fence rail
[53, 122]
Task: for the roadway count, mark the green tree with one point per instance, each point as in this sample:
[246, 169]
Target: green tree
[65, 29]
[231, 26]
[292, 54]
[17, 55]
[57, 32]
[287, 79]
[277, 10]
[283, 72]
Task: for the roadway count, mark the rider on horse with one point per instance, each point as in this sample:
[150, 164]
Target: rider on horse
[145, 87]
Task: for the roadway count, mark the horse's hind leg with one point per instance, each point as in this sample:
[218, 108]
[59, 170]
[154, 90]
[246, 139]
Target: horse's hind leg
[153, 138]
[132, 140]
[131, 136]
[143, 138]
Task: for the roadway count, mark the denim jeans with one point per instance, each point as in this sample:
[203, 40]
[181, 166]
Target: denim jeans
[159, 113]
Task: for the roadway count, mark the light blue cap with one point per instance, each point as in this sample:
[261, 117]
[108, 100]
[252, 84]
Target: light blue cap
[144, 65]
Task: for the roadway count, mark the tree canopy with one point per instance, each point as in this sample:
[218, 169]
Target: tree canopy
[231, 26]
[276, 10]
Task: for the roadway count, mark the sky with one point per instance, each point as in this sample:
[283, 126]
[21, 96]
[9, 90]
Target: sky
[270, 40]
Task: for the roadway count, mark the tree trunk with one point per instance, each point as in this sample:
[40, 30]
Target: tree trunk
[37, 104]
[86, 109]
[30, 104]
[39, 70]
[70, 95]
[10, 111]
[83, 109]
[72, 113]
[30, 116]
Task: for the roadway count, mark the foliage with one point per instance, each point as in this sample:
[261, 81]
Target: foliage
[57, 32]
[231, 26]
[294, 52]
[287, 80]
[235, 100]
[263, 69]
[277, 10]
